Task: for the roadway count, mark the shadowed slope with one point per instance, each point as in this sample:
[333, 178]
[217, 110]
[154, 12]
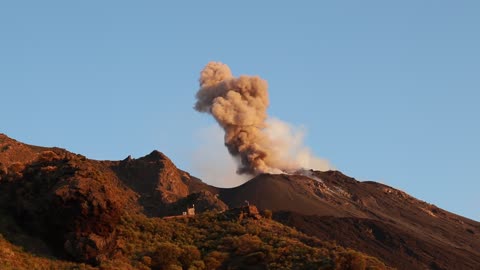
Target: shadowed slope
[160, 184]
[282, 192]
[372, 217]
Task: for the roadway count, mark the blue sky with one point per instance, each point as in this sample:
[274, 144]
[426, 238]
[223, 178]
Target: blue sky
[388, 90]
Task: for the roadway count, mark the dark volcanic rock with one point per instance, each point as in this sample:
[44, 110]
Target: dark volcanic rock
[291, 192]
[378, 239]
[374, 218]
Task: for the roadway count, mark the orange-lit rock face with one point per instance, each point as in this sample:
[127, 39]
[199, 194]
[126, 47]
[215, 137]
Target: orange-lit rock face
[63, 197]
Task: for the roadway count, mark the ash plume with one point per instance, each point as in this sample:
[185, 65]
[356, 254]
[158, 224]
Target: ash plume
[239, 105]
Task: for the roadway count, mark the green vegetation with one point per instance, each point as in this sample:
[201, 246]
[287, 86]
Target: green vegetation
[211, 241]
[206, 241]
[267, 214]
[14, 258]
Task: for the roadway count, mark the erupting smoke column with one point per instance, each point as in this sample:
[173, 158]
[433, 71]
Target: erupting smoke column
[240, 107]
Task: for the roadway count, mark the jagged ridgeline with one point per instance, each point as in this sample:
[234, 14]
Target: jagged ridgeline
[60, 210]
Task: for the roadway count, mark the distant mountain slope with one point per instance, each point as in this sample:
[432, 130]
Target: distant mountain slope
[374, 218]
[290, 192]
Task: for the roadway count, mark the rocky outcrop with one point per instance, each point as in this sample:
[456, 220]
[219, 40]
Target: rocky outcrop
[72, 202]
[160, 184]
[75, 204]
[203, 201]
[246, 211]
[12, 151]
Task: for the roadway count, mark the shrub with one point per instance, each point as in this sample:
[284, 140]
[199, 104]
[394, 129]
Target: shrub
[147, 260]
[267, 214]
[215, 259]
[189, 255]
[166, 255]
[197, 265]
[247, 243]
[351, 260]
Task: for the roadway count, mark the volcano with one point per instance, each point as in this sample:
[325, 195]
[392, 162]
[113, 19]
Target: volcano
[403, 231]
[57, 204]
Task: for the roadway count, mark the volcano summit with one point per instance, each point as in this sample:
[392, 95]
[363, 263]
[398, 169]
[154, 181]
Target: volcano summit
[56, 204]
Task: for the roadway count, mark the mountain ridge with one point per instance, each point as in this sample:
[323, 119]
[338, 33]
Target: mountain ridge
[75, 203]
[416, 234]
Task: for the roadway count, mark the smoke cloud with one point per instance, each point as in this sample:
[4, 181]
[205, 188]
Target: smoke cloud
[212, 163]
[239, 105]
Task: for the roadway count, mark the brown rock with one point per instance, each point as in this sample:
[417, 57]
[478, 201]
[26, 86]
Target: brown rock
[71, 202]
[157, 181]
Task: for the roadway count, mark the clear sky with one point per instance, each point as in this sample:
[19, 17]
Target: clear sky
[388, 90]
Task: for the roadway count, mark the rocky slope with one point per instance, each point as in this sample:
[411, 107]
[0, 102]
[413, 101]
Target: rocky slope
[58, 204]
[74, 204]
[161, 186]
[382, 221]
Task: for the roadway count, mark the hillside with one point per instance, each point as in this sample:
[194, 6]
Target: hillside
[66, 211]
[60, 210]
[405, 232]
[206, 241]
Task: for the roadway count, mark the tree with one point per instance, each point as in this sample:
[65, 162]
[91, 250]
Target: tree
[189, 255]
[267, 214]
[166, 255]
